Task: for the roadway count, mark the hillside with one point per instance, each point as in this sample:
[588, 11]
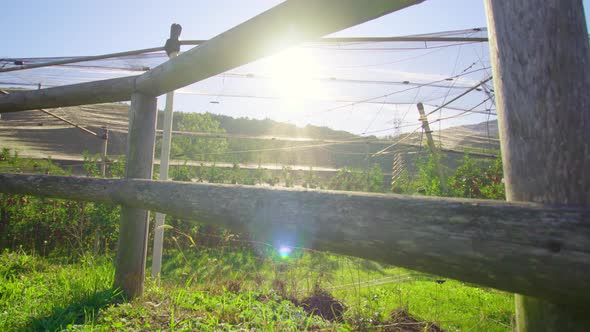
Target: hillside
[39, 135]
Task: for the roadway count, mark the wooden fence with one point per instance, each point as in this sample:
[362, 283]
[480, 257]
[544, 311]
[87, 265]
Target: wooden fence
[541, 68]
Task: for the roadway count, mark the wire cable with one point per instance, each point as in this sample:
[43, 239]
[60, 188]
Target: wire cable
[391, 94]
[461, 95]
[396, 143]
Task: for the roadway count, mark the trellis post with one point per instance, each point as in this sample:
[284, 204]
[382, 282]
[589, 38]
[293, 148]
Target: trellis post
[103, 149]
[104, 139]
[164, 165]
[133, 229]
[541, 68]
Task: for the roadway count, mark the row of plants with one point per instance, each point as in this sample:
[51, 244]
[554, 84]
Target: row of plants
[62, 227]
[350, 179]
[205, 266]
[48, 225]
[54, 226]
[471, 179]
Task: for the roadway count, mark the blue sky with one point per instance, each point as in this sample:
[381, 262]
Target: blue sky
[60, 28]
[71, 28]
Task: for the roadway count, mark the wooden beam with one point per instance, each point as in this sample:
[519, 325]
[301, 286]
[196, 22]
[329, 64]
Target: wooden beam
[78, 59]
[104, 91]
[3, 92]
[541, 67]
[287, 24]
[528, 248]
[133, 229]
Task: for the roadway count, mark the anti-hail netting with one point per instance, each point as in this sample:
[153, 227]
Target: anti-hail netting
[366, 87]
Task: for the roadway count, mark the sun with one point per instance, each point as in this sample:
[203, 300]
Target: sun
[294, 74]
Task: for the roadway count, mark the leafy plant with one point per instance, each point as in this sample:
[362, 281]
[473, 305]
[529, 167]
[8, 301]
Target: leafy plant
[311, 180]
[197, 148]
[181, 173]
[471, 179]
[287, 175]
[4, 154]
[54, 226]
[351, 179]
[91, 162]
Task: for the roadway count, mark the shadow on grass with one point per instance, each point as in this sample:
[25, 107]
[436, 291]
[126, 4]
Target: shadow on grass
[80, 311]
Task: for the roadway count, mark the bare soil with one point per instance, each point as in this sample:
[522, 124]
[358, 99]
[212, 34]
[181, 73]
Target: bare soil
[401, 321]
[38, 135]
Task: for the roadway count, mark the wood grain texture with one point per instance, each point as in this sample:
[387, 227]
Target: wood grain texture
[527, 248]
[285, 25]
[134, 225]
[541, 67]
[104, 91]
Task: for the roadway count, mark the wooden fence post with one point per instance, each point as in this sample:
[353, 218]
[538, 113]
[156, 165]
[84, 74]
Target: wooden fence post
[541, 68]
[133, 229]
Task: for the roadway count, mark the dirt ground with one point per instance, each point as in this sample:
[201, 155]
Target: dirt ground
[38, 135]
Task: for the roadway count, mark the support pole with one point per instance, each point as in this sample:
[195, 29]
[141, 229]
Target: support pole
[541, 65]
[133, 229]
[103, 171]
[432, 147]
[103, 150]
[164, 165]
[172, 48]
[368, 164]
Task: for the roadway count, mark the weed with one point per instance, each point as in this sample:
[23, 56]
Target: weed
[46, 294]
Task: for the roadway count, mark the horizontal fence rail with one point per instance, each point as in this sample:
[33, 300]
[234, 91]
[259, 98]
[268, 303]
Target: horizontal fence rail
[526, 248]
[285, 25]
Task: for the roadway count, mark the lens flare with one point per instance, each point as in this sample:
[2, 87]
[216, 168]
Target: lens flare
[284, 252]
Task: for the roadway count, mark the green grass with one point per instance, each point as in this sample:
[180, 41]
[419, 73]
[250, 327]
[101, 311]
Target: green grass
[11, 162]
[213, 289]
[36, 294]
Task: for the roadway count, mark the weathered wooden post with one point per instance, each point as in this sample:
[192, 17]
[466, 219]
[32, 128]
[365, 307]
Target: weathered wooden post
[133, 229]
[541, 67]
